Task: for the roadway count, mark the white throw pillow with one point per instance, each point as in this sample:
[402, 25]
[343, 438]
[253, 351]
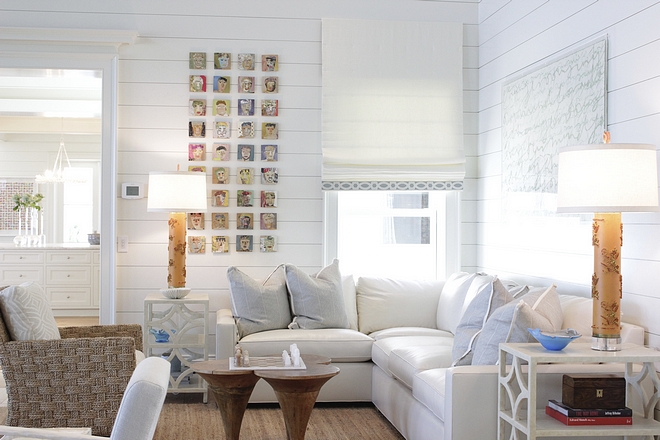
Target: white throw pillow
[489, 295]
[385, 303]
[540, 308]
[451, 300]
[317, 301]
[27, 313]
[350, 300]
[259, 306]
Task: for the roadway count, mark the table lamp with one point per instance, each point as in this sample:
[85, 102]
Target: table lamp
[607, 179]
[177, 192]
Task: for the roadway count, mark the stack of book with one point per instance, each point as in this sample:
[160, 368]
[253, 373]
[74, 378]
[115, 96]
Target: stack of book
[575, 416]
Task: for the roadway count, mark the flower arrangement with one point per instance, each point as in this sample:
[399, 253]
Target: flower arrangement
[27, 201]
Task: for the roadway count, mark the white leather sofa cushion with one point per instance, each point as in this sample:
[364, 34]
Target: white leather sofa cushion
[409, 331]
[405, 362]
[385, 303]
[340, 345]
[429, 388]
[382, 348]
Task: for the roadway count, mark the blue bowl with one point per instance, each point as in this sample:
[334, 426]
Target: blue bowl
[554, 340]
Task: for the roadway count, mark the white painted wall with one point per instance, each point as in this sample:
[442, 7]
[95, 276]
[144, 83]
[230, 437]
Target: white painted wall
[152, 116]
[515, 35]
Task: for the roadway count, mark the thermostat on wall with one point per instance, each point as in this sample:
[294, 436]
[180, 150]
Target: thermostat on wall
[132, 191]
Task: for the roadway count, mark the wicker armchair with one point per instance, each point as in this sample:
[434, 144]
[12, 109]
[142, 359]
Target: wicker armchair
[77, 381]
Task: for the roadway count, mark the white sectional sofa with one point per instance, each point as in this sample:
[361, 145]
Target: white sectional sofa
[397, 353]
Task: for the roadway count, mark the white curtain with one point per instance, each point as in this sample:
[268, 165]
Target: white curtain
[392, 105]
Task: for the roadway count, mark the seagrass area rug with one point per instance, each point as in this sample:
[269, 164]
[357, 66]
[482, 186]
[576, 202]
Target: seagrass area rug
[184, 416]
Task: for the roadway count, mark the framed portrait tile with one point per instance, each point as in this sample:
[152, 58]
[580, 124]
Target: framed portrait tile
[245, 107]
[222, 130]
[220, 220]
[245, 176]
[220, 244]
[244, 220]
[269, 176]
[197, 107]
[197, 83]
[243, 243]
[221, 151]
[268, 221]
[196, 151]
[270, 130]
[197, 168]
[267, 243]
[270, 84]
[196, 129]
[244, 198]
[222, 60]
[246, 84]
[219, 197]
[221, 84]
[221, 107]
[245, 152]
[269, 153]
[197, 60]
[246, 130]
[269, 63]
[246, 61]
[220, 175]
[195, 221]
[269, 107]
[268, 199]
[196, 244]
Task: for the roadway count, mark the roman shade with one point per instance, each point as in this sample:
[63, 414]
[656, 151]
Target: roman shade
[392, 105]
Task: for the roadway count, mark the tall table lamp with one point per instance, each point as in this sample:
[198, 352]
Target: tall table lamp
[607, 179]
[177, 192]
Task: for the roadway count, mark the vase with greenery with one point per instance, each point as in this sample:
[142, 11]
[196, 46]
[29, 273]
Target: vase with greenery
[30, 220]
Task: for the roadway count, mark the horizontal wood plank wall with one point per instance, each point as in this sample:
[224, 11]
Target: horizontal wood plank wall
[153, 115]
[515, 35]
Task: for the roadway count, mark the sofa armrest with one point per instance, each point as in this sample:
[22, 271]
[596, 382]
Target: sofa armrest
[632, 333]
[226, 334]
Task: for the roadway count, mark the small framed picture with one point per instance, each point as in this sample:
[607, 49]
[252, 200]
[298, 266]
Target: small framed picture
[267, 243]
[269, 176]
[197, 129]
[196, 152]
[245, 107]
[220, 220]
[222, 130]
[220, 151]
[220, 175]
[195, 221]
[244, 198]
[269, 107]
[197, 83]
[268, 199]
[219, 197]
[197, 168]
[246, 61]
[222, 60]
[244, 220]
[269, 153]
[269, 130]
[269, 63]
[197, 60]
[246, 130]
[221, 84]
[197, 107]
[243, 243]
[270, 84]
[246, 84]
[219, 244]
[268, 221]
[245, 152]
[196, 244]
[221, 107]
[245, 176]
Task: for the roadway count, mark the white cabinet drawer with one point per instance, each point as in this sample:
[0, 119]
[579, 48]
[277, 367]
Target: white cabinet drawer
[21, 257]
[97, 257]
[21, 274]
[69, 297]
[68, 257]
[68, 275]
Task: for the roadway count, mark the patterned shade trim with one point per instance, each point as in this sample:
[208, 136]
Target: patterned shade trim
[391, 186]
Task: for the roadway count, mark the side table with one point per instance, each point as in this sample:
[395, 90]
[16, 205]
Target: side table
[517, 390]
[186, 322]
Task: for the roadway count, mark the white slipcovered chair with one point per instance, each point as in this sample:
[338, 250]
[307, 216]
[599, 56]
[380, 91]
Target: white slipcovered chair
[138, 412]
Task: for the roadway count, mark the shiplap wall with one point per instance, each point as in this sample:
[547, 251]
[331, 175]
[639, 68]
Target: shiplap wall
[153, 115]
[517, 35]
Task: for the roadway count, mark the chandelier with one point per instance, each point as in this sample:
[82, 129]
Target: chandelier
[59, 173]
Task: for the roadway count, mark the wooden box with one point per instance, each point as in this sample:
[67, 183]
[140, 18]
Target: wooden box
[587, 391]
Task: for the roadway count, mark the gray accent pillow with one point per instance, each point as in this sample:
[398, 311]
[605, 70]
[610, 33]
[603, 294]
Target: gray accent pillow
[27, 313]
[317, 301]
[540, 308]
[490, 294]
[256, 306]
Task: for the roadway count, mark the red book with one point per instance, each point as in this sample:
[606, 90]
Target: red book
[575, 421]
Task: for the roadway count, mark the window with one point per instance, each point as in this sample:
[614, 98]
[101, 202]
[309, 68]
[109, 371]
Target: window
[78, 206]
[393, 234]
